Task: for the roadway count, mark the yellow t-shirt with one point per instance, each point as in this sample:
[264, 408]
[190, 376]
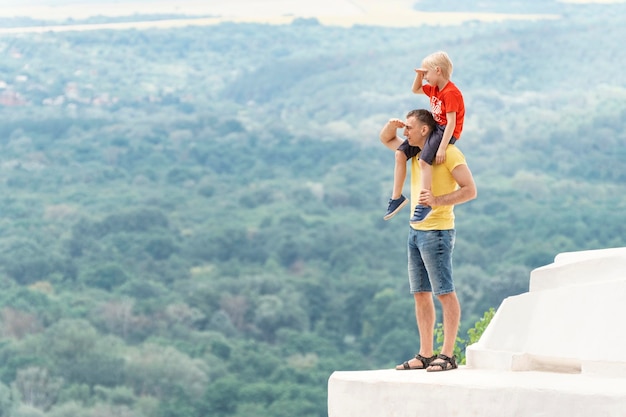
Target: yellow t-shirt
[442, 217]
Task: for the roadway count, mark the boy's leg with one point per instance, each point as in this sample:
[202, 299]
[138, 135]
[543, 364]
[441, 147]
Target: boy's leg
[397, 200]
[427, 158]
[421, 211]
[427, 174]
[399, 175]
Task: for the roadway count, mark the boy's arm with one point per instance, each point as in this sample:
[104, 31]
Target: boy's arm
[447, 135]
[388, 135]
[418, 82]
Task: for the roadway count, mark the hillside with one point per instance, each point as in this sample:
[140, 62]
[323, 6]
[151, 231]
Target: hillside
[192, 217]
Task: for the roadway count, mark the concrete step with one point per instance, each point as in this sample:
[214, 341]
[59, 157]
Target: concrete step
[573, 329]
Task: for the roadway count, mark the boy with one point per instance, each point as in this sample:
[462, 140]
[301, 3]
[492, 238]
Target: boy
[448, 109]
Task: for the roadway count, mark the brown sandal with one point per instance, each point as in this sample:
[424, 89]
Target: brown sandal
[446, 364]
[425, 363]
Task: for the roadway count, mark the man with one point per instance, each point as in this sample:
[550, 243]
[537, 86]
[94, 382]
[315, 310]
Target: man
[431, 242]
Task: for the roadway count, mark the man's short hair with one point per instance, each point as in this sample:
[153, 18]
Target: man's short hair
[424, 116]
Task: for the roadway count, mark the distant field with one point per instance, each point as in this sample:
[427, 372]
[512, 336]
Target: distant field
[329, 12]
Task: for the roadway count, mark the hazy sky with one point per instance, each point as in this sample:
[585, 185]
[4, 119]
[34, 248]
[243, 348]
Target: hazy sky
[330, 12]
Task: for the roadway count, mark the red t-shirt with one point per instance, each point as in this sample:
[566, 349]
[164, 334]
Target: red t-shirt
[448, 100]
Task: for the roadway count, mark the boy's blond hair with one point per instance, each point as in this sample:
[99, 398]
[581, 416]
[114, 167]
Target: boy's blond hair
[439, 59]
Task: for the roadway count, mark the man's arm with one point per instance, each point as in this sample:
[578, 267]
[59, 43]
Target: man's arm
[466, 191]
[388, 135]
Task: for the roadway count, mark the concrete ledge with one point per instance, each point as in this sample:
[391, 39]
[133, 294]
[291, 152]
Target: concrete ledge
[468, 392]
[569, 257]
[572, 268]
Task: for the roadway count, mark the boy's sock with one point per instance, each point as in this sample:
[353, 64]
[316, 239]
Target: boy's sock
[394, 206]
[420, 213]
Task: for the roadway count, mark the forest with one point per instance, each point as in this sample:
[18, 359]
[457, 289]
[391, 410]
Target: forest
[191, 218]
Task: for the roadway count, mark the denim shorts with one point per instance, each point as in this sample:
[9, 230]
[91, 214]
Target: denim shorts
[430, 260]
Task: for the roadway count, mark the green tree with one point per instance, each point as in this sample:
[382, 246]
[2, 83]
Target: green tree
[221, 398]
[7, 402]
[107, 276]
[37, 388]
[164, 371]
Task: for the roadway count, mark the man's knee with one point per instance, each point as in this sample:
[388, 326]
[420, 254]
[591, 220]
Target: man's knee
[423, 296]
[451, 294]
[449, 297]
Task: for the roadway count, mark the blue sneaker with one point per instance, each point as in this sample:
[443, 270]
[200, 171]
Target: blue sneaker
[420, 213]
[394, 206]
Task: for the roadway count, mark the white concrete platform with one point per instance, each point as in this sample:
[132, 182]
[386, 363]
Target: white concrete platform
[558, 350]
[466, 392]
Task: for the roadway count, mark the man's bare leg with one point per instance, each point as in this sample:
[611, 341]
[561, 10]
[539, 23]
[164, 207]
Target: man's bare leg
[425, 318]
[451, 319]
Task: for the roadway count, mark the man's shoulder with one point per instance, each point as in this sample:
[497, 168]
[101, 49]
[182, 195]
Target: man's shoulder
[452, 149]
[455, 156]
